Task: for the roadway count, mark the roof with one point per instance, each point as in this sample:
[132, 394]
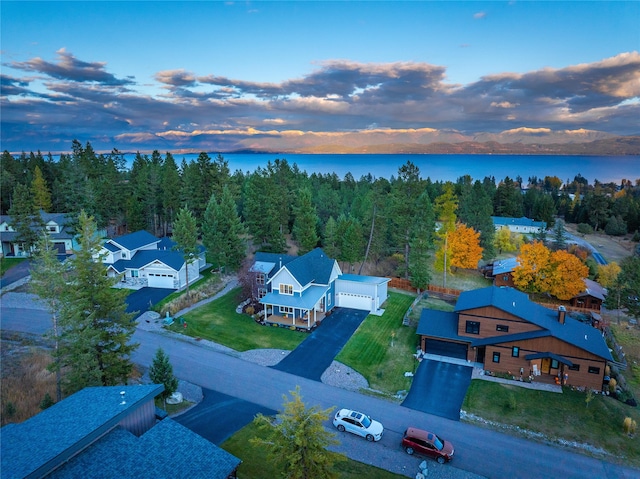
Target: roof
[262, 267]
[356, 278]
[82, 421]
[85, 415]
[505, 266]
[551, 355]
[518, 304]
[61, 219]
[313, 267]
[142, 258]
[278, 259]
[523, 221]
[307, 300]
[135, 240]
[592, 289]
[439, 324]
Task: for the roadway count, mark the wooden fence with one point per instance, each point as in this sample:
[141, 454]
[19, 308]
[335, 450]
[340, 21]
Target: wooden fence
[437, 291]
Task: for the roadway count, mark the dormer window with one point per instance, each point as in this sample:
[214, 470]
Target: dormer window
[52, 229]
[286, 289]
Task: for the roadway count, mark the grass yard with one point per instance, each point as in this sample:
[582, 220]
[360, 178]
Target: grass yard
[219, 322]
[6, 263]
[629, 338]
[255, 464]
[382, 348]
[558, 416]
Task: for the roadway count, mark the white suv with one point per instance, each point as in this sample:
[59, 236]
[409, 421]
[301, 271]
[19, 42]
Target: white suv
[358, 423]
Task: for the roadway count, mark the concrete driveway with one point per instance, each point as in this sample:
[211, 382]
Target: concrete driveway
[141, 300]
[439, 388]
[219, 416]
[315, 354]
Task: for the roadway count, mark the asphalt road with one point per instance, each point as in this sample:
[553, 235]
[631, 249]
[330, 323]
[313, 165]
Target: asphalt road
[478, 451]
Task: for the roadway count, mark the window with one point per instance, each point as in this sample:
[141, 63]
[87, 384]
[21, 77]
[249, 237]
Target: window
[574, 367]
[515, 352]
[503, 328]
[286, 288]
[473, 327]
[261, 293]
[496, 357]
[554, 364]
[52, 229]
[134, 273]
[286, 310]
[594, 370]
[260, 278]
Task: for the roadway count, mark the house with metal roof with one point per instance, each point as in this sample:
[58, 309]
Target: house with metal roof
[57, 226]
[504, 331]
[300, 291]
[518, 225]
[140, 259]
[109, 433]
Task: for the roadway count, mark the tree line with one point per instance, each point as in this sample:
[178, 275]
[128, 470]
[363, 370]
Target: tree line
[394, 224]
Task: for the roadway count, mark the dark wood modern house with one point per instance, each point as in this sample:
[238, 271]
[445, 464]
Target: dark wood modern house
[504, 331]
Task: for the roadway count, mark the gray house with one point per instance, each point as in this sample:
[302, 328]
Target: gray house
[109, 433]
[56, 224]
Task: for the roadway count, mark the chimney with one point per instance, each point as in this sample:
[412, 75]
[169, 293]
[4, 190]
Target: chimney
[562, 312]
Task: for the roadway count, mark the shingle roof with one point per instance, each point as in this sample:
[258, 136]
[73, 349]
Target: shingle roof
[313, 267]
[307, 300]
[142, 258]
[517, 303]
[439, 324]
[135, 240]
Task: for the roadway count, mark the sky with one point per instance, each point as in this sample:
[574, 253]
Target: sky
[221, 76]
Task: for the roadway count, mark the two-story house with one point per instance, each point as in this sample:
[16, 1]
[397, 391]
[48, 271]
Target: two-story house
[300, 291]
[56, 225]
[141, 259]
[504, 331]
[522, 225]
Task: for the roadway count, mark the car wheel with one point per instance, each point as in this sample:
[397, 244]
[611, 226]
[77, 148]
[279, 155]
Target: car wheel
[409, 450]
[340, 428]
[369, 438]
[441, 460]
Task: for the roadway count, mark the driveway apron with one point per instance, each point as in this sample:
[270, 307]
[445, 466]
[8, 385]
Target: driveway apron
[439, 388]
[141, 300]
[218, 416]
[315, 354]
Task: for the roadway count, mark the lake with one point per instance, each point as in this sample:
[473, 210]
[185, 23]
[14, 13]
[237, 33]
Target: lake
[446, 167]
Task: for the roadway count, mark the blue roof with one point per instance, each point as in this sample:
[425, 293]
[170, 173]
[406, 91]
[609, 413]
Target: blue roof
[308, 300]
[111, 247]
[505, 266]
[356, 278]
[313, 267]
[524, 221]
[135, 240]
[439, 324]
[517, 303]
[54, 435]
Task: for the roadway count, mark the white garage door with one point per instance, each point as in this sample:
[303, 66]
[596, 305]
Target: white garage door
[157, 280]
[355, 301]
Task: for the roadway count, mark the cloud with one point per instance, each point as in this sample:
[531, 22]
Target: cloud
[70, 68]
[479, 15]
[341, 100]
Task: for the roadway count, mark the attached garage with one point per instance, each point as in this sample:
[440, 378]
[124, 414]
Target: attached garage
[159, 280]
[366, 293]
[445, 348]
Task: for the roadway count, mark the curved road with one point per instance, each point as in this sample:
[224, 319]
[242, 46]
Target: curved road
[478, 451]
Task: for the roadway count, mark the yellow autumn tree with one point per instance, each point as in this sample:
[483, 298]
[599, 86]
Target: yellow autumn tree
[506, 240]
[567, 275]
[445, 208]
[607, 273]
[533, 271]
[464, 247]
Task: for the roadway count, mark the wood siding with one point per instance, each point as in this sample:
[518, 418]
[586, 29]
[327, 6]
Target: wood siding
[489, 318]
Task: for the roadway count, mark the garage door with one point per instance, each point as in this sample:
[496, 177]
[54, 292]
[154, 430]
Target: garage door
[157, 280]
[443, 348]
[355, 301]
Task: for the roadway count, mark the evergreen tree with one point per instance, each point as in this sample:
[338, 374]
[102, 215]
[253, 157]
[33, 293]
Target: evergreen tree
[171, 186]
[40, 191]
[49, 282]
[161, 372]
[559, 235]
[625, 291]
[331, 242]
[305, 222]
[297, 440]
[223, 232]
[185, 234]
[475, 210]
[95, 346]
[25, 219]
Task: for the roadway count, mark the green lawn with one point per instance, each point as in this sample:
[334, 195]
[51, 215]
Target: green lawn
[382, 348]
[562, 416]
[255, 464]
[6, 263]
[218, 321]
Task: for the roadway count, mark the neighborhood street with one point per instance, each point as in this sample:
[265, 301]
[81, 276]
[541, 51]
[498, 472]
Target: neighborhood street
[479, 452]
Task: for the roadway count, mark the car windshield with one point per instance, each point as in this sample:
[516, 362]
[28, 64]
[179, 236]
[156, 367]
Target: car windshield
[439, 443]
[366, 421]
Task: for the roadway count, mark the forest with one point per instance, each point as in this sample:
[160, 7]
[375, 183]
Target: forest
[393, 224]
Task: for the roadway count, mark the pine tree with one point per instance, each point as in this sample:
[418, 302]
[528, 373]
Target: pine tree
[185, 234]
[331, 243]
[305, 222]
[297, 440]
[95, 347]
[25, 219]
[161, 372]
[559, 235]
[40, 191]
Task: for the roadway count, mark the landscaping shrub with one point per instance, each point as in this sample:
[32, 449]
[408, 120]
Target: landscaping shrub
[585, 229]
[511, 404]
[629, 426]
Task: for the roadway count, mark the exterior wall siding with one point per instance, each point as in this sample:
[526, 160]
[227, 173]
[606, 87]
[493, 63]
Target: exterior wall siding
[489, 318]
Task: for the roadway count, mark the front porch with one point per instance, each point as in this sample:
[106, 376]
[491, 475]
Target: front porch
[306, 322]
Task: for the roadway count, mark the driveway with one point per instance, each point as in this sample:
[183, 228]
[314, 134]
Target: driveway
[219, 416]
[315, 354]
[142, 299]
[15, 273]
[439, 388]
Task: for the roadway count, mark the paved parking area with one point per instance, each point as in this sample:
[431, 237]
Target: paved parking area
[142, 299]
[439, 388]
[315, 354]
